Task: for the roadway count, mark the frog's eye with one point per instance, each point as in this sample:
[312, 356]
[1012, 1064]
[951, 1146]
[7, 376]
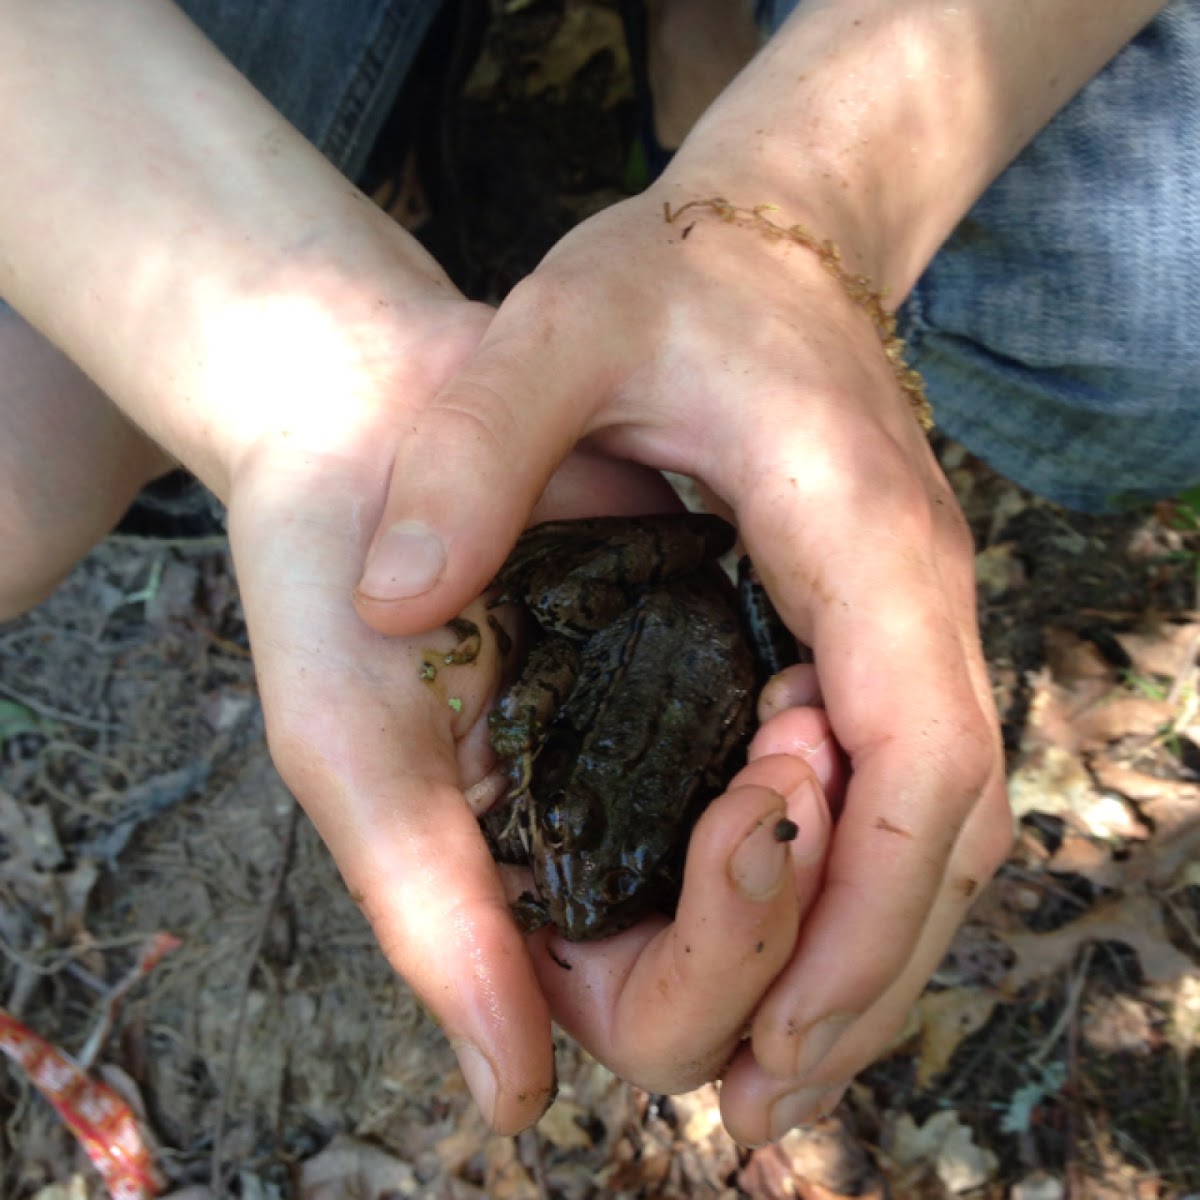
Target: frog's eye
[572, 822]
[619, 885]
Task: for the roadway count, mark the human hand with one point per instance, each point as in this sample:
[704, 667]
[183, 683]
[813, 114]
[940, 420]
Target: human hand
[666, 1004]
[381, 758]
[706, 349]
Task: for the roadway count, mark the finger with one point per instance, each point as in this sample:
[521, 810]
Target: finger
[472, 464]
[882, 589]
[803, 733]
[413, 857]
[797, 686]
[664, 1004]
[594, 485]
[757, 1106]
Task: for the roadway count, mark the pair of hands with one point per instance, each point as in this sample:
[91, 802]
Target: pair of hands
[740, 363]
[257, 318]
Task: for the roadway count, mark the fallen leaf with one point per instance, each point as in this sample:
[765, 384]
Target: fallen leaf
[822, 1162]
[1165, 650]
[1119, 1024]
[1184, 1027]
[1055, 780]
[1134, 920]
[1122, 717]
[504, 1173]
[947, 1145]
[585, 32]
[998, 570]
[351, 1168]
[1038, 1186]
[1080, 855]
[562, 1126]
[947, 1018]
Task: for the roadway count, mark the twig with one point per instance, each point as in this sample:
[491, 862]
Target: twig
[215, 1181]
[57, 714]
[1068, 1013]
[147, 960]
[529, 1149]
[1070, 1088]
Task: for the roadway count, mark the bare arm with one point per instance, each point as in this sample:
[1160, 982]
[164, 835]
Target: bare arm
[882, 121]
[158, 219]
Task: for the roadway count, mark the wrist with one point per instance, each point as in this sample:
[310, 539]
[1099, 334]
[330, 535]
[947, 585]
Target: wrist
[188, 249]
[877, 123]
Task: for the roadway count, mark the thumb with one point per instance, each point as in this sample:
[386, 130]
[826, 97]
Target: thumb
[468, 470]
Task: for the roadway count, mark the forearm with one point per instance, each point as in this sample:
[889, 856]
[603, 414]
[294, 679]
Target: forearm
[170, 231]
[879, 122]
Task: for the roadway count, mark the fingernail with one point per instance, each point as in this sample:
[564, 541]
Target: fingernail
[757, 865]
[800, 1107]
[407, 560]
[819, 1040]
[481, 1079]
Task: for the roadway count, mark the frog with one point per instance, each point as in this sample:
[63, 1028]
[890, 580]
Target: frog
[631, 712]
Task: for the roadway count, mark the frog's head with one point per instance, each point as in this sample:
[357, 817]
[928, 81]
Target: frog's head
[595, 875]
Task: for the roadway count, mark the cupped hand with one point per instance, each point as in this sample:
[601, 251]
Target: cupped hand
[380, 738]
[709, 349]
[666, 1003]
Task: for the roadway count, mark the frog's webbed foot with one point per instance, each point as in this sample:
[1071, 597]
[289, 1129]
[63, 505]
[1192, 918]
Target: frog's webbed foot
[772, 643]
[505, 831]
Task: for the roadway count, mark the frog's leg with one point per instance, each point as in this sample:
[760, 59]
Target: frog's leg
[529, 912]
[771, 641]
[517, 723]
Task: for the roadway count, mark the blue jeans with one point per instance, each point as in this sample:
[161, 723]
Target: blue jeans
[332, 67]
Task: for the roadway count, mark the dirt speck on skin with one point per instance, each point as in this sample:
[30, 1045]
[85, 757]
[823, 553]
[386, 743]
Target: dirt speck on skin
[1056, 1042]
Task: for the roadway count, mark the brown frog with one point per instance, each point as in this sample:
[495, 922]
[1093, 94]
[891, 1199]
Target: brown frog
[630, 713]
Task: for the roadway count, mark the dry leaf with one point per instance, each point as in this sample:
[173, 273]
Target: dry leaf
[947, 1145]
[505, 1174]
[1184, 1028]
[562, 1126]
[1119, 1024]
[350, 1168]
[585, 31]
[946, 1019]
[1038, 1186]
[823, 1162]
[1135, 920]
[1164, 651]
[1079, 855]
[998, 570]
[1054, 780]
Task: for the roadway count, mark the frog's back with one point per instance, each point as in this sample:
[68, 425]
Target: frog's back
[662, 706]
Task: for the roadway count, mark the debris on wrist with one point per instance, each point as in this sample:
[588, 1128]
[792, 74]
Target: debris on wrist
[858, 288]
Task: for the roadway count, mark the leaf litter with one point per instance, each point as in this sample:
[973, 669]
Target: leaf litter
[1052, 1055]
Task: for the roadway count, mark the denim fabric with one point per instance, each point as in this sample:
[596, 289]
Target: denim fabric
[332, 68]
[1057, 329]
